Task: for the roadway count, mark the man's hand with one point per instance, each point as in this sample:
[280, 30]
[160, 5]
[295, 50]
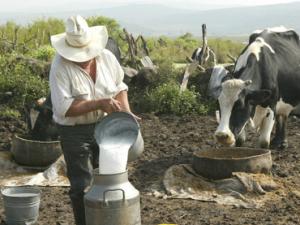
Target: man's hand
[109, 105]
[135, 116]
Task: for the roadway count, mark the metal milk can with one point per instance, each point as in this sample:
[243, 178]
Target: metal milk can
[112, 200]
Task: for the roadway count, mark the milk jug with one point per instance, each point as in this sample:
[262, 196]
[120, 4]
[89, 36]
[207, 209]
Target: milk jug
[112, 200]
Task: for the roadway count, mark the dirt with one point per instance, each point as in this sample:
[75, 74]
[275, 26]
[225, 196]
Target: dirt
[172, 140]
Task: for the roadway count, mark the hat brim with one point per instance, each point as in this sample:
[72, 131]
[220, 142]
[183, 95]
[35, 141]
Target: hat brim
[98, 42]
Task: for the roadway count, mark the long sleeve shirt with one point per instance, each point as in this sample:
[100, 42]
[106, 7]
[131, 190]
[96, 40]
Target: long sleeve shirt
[69, 81]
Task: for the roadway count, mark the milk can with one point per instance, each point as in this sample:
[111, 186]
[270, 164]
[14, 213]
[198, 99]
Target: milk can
[112, 200]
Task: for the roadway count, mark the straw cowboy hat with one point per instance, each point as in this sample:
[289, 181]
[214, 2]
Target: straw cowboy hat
[80, 42]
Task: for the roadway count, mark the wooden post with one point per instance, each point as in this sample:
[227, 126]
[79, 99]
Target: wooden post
[204, 45]
[15, 38]
[190, 68]
[130, 45]
[144, 45]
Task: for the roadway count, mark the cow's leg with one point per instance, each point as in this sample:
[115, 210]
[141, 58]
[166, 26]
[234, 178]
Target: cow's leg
[282, 112]
[279, 141]
[241, 138]
[266, 129]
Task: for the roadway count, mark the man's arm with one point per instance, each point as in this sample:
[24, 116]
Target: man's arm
[81, 107]
[122, 97]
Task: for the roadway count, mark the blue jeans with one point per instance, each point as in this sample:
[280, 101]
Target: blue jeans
[81, 154]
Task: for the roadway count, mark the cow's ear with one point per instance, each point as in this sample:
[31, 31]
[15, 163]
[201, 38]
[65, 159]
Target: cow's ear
[258, 97]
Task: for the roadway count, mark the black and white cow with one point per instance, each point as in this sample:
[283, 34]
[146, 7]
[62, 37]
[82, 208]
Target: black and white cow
[264, 85]
[197, 54]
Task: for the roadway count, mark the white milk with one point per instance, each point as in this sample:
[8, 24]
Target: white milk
[113, 158]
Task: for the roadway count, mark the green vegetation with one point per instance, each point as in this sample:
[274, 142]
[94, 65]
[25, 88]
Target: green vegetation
[18, 79]
[6, 112]
[26, 53]
[167, 99]
[45, 53]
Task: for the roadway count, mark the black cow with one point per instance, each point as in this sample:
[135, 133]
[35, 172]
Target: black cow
[265, 85]
[113, 46]
[197, 54]
[39, 120]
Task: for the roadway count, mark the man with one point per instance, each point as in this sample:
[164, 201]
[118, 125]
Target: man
[86, 82]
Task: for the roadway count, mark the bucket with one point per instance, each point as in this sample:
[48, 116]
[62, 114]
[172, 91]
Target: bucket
[120, 140]
[21, 205]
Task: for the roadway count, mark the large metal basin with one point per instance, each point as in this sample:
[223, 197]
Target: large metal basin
[221, 163]
[34, 153]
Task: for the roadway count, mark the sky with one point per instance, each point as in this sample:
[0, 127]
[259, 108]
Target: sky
[63, 5]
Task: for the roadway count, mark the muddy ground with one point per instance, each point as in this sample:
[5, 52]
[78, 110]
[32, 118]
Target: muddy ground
[172, 140]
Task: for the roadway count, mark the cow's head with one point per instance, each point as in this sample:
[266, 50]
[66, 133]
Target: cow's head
[236, 100]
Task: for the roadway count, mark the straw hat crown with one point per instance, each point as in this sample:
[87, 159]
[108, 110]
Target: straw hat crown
[80, 42]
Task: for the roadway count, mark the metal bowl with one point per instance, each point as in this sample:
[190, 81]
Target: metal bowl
[34, 153]
[121, 128]
[221, 163]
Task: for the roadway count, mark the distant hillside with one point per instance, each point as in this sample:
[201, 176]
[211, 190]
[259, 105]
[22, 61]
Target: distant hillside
[154, 20]
[234, 21]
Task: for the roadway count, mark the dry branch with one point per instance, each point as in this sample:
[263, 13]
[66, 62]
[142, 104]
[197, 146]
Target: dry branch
[190, 60]
[139, 54]
[190, 68]
[231, 57]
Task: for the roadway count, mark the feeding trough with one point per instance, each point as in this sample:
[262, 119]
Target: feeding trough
[221, 163]
[33, 153]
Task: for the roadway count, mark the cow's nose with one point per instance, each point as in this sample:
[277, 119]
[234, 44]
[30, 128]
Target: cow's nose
[222, 136]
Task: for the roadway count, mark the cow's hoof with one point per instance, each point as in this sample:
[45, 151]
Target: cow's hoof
[264, 144]
[275, 144]
[240, 140]
[284, 145]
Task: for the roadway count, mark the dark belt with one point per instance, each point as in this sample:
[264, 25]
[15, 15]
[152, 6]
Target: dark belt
[78, 129]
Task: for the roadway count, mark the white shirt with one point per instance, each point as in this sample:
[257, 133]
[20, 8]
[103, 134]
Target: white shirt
[69, 81]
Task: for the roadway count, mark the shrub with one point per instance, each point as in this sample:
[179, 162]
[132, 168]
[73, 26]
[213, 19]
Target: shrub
[23, 86]
[6, 112]
[167, 98]
[45, 53]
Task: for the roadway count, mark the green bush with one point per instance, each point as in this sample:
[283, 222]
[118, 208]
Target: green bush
[223, 47]
[45, 53]
[23, 86]
[25, 38]
[174, 50]
[167, 99]
[6, 112]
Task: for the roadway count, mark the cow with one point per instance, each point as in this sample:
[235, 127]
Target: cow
[197, 54]
[113, 46]
[39, 120]
[264, 86]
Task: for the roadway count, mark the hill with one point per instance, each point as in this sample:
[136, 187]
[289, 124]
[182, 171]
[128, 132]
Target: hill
[154, 20]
